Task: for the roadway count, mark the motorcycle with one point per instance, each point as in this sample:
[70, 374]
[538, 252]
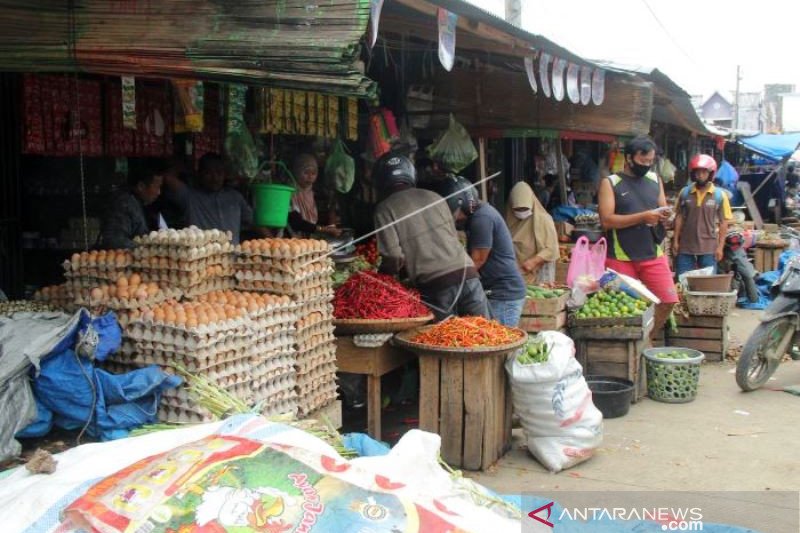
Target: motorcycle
[735, 260]
[777, 333]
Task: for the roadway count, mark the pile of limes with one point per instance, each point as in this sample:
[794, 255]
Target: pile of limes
[612, 304]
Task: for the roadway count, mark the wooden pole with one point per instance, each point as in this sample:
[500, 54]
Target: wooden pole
[482, 164]
[562, 177]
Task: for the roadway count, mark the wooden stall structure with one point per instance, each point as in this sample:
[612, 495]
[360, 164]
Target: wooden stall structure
[708, 334]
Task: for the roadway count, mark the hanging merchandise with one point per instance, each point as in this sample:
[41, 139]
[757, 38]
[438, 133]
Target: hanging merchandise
[188, 105]
[419, 105]
[529, 72]
[586, 85]
[33, 121]
[573, 88]
[239, 144]
[454, 148]
[544, 73]
[558, 78]
[447, 38]
[153, 134]
[340, 168]
[375, 7]
[300, 115]
[379, 140]
[598, 86]
[352, 119]
[333, 117]
[129, 102]
[210, 139]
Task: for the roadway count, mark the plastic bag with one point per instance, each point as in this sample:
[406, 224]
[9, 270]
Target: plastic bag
[562, 426]
[587, 264]
[454, 148]
[340, 168]
[242, 153]
[189, 98]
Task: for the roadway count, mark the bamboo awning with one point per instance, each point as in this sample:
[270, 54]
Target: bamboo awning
[283, 43]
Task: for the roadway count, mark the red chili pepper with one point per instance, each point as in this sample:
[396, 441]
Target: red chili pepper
[371, 295]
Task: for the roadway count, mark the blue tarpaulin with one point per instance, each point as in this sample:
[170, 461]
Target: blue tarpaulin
[774, 147]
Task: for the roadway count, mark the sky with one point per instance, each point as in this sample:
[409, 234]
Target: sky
[697, 43]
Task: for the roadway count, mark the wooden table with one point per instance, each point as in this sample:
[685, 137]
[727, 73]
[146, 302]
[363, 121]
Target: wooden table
[374, 363]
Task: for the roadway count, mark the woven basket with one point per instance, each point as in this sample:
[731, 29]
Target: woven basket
[710, 303]
[356, 326]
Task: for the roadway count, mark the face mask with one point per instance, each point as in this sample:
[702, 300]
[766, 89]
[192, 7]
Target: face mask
[700, 183]
[638, 170]
[522, 215]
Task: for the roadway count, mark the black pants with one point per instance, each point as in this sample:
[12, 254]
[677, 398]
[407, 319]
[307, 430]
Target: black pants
[466, 300]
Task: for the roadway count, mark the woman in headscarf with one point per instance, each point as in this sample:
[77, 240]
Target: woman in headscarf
[534, 235]
[304, 218]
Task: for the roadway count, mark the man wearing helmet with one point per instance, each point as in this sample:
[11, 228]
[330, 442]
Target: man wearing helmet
[489, 245]
[416, 234]
[632, 208]
[702, 218]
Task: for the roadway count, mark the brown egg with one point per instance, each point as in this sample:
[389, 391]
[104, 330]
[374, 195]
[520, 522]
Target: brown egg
[158, 314]
[96, 294]
[123, 293]
[122, 282]
[191, 322]
[141, 293]
[135, 280]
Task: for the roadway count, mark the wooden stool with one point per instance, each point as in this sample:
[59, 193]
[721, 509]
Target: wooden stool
[374, 363]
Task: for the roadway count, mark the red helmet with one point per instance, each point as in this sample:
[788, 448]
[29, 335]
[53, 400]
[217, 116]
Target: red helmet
[703, 161]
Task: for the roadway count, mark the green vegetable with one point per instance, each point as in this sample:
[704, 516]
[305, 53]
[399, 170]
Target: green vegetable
[536, 351]
[542, 293]
[677, 354]
[612, 304]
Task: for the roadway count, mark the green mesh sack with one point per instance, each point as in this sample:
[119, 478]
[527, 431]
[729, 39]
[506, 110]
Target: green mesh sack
[340, 169]
[453, 149]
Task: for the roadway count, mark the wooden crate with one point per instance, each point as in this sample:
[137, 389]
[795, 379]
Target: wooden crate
[535, 324]
[545, 306]
[709, 334]
[466, 399]
[615, 358]
[766, 259]
[561, 273]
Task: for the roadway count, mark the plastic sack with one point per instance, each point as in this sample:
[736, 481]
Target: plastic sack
[632, 287]
[340, 168]
[562, 426]
[587, 264]
[454, 148]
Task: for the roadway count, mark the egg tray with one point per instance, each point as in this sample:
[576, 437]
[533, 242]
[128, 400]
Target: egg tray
[269, 345]
[275, 393]
[184, 264]
[189, 363]
[287, 320]
[317, 328]
[175, 415]
[283, 248]
[128, 304]
[94, 277]
[107, 266]
[312, 318]
[314, 341]
[287, 407]
[145, 329]
[291, 266]
[304, 290]
[200, 351]
[325, 348]
[191, 236]
[319, 305]
[308, 365]
[24, 306]
[317, 378]
[216, 284]
[318, 276]
[310, 404]
[184, 280]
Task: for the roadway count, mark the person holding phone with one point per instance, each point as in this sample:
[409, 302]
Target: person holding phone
[633, 210]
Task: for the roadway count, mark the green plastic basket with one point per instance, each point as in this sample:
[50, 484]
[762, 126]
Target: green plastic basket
[673, 380]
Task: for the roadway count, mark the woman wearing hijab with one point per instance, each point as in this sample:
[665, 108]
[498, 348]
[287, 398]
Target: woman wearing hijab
[534, 235]
[304, 218]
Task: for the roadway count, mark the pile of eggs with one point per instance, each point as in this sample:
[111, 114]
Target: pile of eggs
[128, 292]
[282, 248]
[254, 304]
[98, 260]
[60, 296]
[188, 237]
[189, 315]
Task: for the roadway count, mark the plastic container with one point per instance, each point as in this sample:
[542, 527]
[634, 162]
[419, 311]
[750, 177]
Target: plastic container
[271, 204]
[612, 396]
[710, 303]
[715, 283]
[673, 380]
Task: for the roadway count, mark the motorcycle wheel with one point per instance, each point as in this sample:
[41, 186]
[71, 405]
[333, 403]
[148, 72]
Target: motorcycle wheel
[754, 367]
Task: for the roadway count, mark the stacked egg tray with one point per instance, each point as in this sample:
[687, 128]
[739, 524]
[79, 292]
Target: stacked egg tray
[316, 355]
[195, 261]
[57, 296]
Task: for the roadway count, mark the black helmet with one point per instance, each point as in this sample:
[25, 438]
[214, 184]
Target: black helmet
[394, 169]
[461, 193]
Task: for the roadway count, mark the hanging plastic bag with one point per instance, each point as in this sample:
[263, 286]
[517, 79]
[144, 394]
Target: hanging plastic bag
[340, 168]
[380, 142]
[587, 264]
[454, 148]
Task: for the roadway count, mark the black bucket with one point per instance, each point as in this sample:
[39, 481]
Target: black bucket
[611, 395]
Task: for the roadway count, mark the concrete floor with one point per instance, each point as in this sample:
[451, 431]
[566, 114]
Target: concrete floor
[725, 440]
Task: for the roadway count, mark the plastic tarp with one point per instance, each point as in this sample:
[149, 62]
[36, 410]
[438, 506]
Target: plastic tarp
[25, 338]
[774, 147]
[764, 283]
